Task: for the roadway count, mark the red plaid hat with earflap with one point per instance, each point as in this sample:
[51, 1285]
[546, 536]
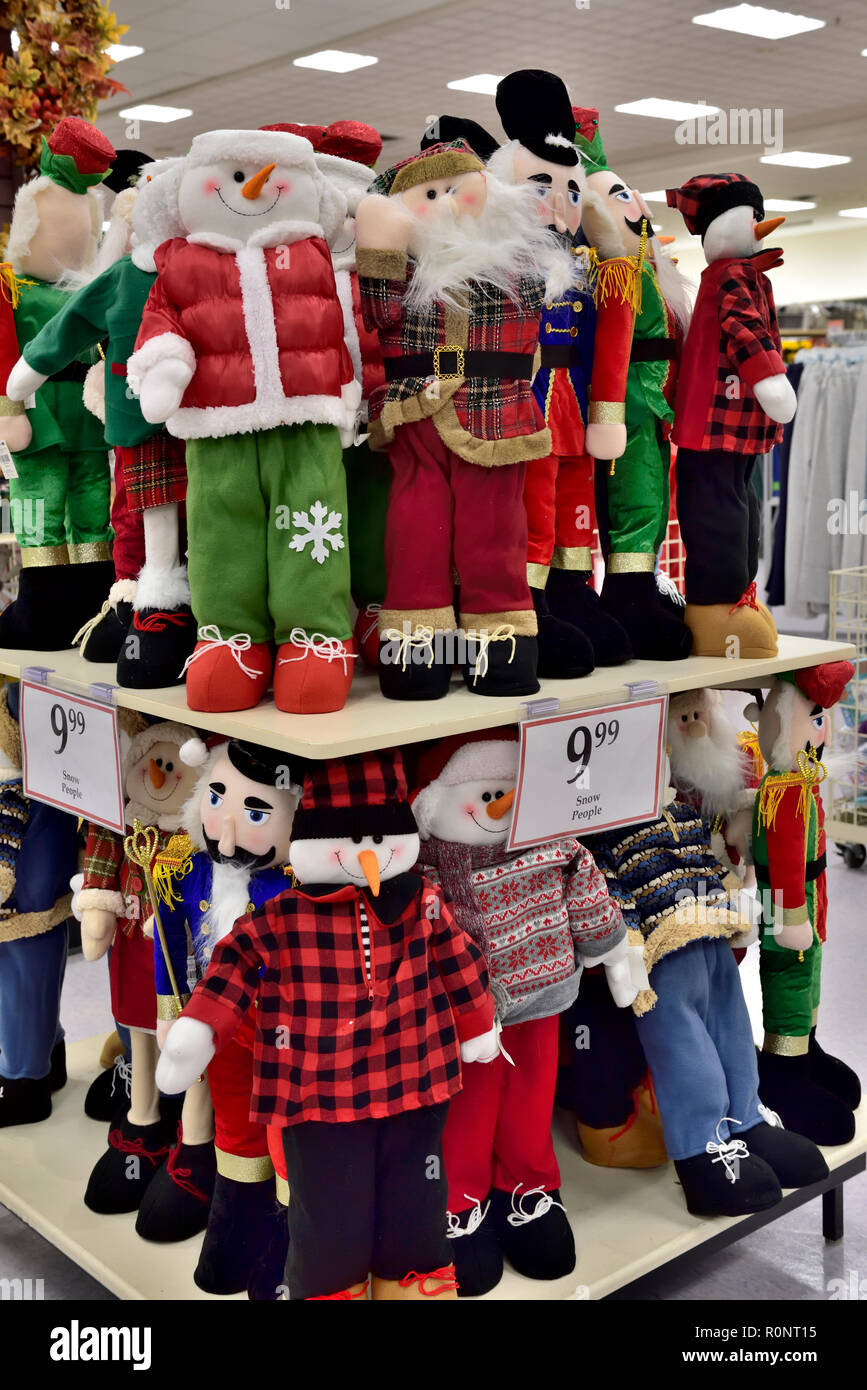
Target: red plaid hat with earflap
[706, 196]
[363, 795]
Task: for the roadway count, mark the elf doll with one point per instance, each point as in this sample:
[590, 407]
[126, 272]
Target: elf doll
[537, 116]
[452, 265]
[651, 308]
[814, 1093]
[538, 916]
[241, 354]
[60, 498]
[369, 995]
[733, 399]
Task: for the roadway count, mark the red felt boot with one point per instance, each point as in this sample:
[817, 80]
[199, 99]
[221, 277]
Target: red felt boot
[313, 673]
[227, 673]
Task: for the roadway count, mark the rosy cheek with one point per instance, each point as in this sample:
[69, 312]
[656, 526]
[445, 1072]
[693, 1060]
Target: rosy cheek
[211, 825]
[210, 186]
[469, 810]
[282, 189]
[334, 856]
[397, 852]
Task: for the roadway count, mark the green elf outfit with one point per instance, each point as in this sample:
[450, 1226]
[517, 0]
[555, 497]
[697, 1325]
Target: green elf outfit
[813, 1093]
[60, 498]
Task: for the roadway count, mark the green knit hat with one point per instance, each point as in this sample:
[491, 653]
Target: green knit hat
[588, 141]
[75, 155]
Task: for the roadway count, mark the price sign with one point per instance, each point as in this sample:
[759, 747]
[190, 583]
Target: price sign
[72, 754]
[590, 771]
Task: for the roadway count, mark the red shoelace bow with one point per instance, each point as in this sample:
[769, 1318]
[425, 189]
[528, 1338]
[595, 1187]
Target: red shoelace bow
[137, 1146]
[446, 1274]
[344, 1295]
[748, 599]
[182, 1177]
[158, 621]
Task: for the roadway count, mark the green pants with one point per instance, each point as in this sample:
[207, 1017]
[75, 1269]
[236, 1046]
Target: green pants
[266, 519]
[368, 479]
[790, 991]
[60, 497]
[638, 497]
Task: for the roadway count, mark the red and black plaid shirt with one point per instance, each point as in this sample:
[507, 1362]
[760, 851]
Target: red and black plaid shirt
[332, 1042]
[733, 342]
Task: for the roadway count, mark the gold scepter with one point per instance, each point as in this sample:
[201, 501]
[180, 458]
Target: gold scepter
[140, 848]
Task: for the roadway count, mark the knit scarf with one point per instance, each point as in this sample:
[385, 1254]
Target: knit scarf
[454, 864]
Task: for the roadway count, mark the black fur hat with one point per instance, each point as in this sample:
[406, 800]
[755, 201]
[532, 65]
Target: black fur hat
[535, 109]
[444, 129]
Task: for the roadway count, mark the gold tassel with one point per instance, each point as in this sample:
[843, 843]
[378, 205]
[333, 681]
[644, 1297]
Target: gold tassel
[173, 862]
[773, 791]
[748, 742]
[620, 278]
[10, 284]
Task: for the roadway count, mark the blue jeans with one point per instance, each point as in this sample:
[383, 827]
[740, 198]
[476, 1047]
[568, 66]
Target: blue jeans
[699, 1046]
[31, 978]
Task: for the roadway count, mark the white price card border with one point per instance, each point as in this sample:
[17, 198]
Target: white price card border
[119, 824]
[652, 812]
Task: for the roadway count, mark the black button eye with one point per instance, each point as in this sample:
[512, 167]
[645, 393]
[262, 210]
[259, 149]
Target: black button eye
[377, 839]
[486, 796]
[159, 762]
[684, 719]
[431, 193]
[170, 767]
[238, 176]
[356, 839]
[497, 795]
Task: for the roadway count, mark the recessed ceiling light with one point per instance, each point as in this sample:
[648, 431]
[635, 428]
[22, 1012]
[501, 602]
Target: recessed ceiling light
[657, 226]
[666, 110]
[787, 205]
[657, 196]
[117, 52]
[163, 114]
[805, 159]
[335, 60]
[761, 23]
[853, 212]
[486, 83]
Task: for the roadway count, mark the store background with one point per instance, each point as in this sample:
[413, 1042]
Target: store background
[233, 64]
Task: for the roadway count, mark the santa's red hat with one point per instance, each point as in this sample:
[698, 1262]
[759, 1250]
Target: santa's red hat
[462, 758]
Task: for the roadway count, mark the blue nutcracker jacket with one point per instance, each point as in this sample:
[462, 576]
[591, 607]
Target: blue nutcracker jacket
[566, 335]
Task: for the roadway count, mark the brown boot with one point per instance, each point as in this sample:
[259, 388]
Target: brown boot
[343, 1296]
[111, 1048]
[740, 630]
[440, 1283]
[637, 1144]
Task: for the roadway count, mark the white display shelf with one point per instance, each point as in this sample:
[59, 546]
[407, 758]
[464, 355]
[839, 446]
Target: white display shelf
[626, 1223]
[369, 721]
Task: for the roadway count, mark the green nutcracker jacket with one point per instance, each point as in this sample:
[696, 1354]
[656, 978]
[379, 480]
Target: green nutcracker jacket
[651, 377]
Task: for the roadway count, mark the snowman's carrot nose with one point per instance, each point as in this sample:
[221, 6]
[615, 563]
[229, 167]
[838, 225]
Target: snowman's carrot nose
[666, 240]
[497, 809]
[253, 187]
[369, 865]
[157, 775]
[770, 224]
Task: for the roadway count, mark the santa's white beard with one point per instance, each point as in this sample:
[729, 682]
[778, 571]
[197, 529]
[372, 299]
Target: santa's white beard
[506, 241]
[714, 767]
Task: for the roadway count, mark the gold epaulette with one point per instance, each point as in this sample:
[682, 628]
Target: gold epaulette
[774, 789]
[621, 279]
[11, 284]
[173, 862]
[748, 742]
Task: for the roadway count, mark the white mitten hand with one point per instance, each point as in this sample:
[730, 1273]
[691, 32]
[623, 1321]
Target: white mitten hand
[605, 441]
[619, 972]
[16, 431]
[97, 932]
[23, 381]
[484, 1048]
[76, 883]
[162, 389]
[163, 1026]
[188, 1049]
[776, 397]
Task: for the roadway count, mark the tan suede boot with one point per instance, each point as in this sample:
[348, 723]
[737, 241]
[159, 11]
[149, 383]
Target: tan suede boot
[440, 1284]
[738, 631]
[637, 1144]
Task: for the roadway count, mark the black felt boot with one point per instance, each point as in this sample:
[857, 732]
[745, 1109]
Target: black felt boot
[787, 1086]
[57, 1075]
[176, 1203]
[109, 1094]
[714, 1188]
[474, 1245]
[564, 651]
[572, 598]
[795, 1160]
[416, 669]
[501, 665]
[267, 1279]
[240, 1223]
[835, 1076]
[121, 1177]
[53, 603]
[24, 1101]
[155, 648]
[655, 633]
[538, 1241]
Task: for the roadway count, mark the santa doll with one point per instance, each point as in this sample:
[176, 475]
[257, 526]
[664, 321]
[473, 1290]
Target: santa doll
[369, 996]
[642, 294]
[813, 1092]
[452, 265]
[574, 632]
[60, 497]
[241, 353]
[733, 399]
[539, 916]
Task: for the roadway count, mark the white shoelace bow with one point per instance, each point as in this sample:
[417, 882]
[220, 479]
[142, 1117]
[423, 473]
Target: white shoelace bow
[727, 1151]
[421, 636]
[518, 1217]
[241, 642]
[123, 1072]
[371, 610]
[504, 633]
[326, 648]
[474, 1220]
[87, 628]
[770, 1117]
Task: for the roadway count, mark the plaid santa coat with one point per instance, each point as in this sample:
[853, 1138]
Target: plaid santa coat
[333, 1042]
[733, 341]
[487, 420]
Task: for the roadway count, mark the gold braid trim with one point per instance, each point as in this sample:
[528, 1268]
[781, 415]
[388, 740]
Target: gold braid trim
[619, 278]
[168, 1007]
[774, 789]
[748, 742]
[11, 284]
[243, 1169]
[786, 1047]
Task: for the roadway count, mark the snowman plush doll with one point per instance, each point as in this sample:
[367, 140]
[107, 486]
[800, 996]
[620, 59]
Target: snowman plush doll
[539, 916]
[241, 353]
[369, 997]
[733, 399]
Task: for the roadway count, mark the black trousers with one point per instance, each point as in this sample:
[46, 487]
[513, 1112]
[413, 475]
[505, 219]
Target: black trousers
[369, 1197]
[719, 519]
[606, 1061]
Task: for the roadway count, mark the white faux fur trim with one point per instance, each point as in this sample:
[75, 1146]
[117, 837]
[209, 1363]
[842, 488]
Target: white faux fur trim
[285, 233]
[215, 240]
[143, 257]
[164, 347]
[160, 588]
[122, 591]
[251, 147]
[104, 899]
[350, 331]
[93, 391]
[559, 140]
[745, 799]
[479, 760]
[214, 421]
[352, 180]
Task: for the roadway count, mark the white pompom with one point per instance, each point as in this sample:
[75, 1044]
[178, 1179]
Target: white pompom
[193, 752]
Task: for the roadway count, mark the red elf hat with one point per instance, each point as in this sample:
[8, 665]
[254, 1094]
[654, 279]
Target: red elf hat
[822, 684]
[76, 155]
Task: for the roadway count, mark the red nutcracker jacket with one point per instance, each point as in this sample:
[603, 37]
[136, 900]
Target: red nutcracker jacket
[334, 1040]
[733, 341]
[789, 850]
[262, 327]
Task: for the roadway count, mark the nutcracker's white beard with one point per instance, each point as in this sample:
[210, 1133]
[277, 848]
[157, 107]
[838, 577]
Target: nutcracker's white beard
[714, 766]
[505, 242]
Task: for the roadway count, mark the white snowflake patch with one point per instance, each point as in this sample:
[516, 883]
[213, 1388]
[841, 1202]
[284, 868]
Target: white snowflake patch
[318, 530]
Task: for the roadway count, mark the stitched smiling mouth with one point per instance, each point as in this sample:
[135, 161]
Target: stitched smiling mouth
[263, 213]
[483, 827]
[361, 877]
